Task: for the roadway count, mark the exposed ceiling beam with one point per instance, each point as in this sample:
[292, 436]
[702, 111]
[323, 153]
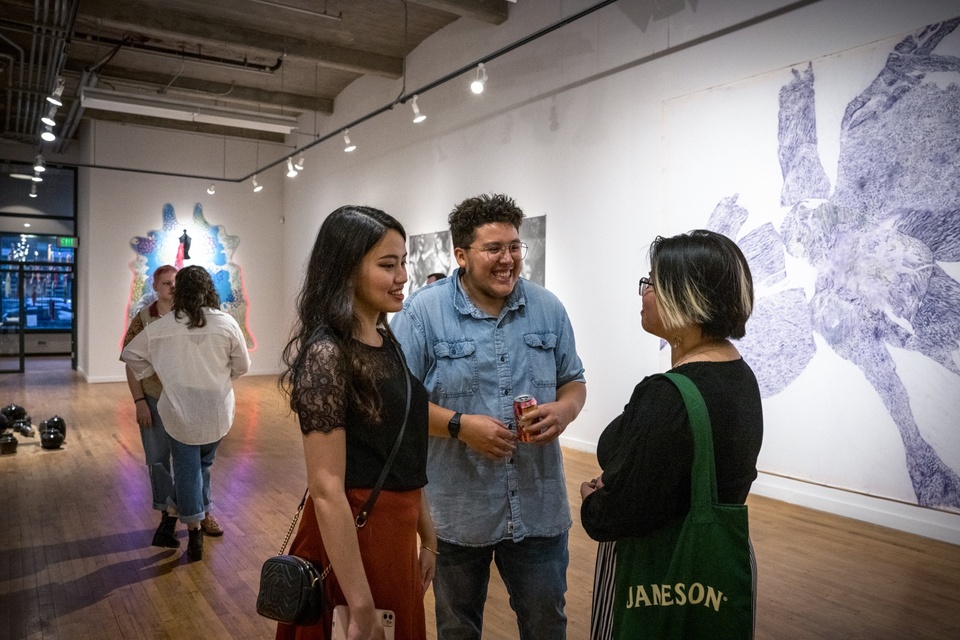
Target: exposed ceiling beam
[489, 11]
[114, 14]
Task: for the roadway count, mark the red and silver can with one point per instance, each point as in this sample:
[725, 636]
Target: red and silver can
[521, 405]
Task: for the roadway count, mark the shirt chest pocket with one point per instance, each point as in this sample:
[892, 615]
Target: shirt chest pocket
[541, 354]
[456, 368]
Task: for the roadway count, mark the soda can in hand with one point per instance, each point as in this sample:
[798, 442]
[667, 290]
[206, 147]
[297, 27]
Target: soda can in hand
[521, 405]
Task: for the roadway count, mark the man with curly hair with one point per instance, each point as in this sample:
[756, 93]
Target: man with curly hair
[496, 488]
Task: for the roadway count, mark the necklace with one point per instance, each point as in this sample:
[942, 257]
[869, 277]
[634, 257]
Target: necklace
[719, 344]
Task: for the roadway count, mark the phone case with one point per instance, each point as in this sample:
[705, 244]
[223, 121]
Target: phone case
[341, 618]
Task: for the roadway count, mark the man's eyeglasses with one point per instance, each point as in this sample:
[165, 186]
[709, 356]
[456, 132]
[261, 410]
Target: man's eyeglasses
[518, 250]
[645, 285]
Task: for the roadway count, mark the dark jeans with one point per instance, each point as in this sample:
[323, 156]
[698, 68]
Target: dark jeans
[534, 572]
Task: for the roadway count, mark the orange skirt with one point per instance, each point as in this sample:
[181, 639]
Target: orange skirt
[389, 548]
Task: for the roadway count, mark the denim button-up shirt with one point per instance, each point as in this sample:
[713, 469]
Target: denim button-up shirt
[474, 363]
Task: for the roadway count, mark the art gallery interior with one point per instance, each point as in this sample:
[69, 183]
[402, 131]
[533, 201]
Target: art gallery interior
[806, 130]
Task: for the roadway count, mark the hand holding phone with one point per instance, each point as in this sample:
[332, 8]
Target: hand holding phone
[341, 618]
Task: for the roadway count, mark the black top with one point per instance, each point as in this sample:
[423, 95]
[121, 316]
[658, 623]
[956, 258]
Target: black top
[646, 453]
[320, 400]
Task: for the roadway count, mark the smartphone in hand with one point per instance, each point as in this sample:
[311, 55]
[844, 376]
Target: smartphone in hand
[341, 617]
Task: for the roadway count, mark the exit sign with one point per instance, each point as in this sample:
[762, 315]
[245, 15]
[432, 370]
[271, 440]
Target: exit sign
[67, 243]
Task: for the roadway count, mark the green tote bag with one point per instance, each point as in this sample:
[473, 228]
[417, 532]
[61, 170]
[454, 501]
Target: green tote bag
[692, 578]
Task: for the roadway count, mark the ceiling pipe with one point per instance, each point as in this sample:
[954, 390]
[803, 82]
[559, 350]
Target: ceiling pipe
[243, 65]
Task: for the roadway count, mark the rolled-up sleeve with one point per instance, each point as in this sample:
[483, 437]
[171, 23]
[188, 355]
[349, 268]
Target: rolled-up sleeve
[239, 356]
[137, 355]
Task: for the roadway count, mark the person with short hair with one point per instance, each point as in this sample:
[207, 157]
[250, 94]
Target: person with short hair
[146, 393]
[698, 297]
[196, 351]
[477, 339]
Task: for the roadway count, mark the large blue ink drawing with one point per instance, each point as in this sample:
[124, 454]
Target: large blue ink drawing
[874, 240]
[196, 242]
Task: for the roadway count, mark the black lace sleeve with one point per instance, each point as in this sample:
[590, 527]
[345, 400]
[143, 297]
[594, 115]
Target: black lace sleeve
[319, 397]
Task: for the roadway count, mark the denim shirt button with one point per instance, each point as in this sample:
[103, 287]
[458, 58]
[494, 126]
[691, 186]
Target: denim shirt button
[506, 392]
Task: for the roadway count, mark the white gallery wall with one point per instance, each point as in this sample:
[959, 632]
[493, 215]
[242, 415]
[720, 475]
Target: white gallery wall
[616, 128]
[633, 122]
[117, 206]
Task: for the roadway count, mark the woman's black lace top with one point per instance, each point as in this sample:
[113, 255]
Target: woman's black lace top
[320, 400]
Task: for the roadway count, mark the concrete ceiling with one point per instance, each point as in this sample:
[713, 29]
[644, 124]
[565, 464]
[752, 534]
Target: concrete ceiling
[277, 57]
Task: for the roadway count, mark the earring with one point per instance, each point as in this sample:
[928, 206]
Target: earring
[676, 341]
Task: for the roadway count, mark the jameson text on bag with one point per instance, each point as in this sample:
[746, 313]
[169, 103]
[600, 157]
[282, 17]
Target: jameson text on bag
[692, 578]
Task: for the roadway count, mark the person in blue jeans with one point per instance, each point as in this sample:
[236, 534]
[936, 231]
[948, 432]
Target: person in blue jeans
[197, 351]
[476, 340]
[156, 443]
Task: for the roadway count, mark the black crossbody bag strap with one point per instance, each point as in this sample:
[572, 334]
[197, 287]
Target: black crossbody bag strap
[368, 505]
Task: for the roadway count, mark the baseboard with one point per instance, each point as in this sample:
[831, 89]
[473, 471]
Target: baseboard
[911, 518]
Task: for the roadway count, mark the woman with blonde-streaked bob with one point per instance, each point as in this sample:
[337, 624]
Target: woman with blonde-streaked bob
[697, 297]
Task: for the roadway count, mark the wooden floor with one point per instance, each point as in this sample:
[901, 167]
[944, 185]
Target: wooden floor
[76, 560]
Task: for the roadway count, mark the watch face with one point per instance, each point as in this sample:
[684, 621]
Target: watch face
[454, 426]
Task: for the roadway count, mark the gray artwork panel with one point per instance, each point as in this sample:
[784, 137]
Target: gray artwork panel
[429, 253]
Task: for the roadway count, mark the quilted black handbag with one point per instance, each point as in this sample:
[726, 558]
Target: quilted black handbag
[291, 588]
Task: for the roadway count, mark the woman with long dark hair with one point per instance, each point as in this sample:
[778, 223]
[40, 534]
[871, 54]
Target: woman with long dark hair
[346, 379]
[196, 351]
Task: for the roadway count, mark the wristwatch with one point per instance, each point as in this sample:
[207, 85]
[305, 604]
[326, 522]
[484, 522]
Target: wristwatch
[454, 426]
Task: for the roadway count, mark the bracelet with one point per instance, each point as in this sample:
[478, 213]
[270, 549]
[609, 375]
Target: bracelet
[136, 400]
[436, 553]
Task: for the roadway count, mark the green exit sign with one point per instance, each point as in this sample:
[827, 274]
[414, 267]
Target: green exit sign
[67, 243]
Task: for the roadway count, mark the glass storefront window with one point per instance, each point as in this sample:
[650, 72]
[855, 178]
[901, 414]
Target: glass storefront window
[47, 286]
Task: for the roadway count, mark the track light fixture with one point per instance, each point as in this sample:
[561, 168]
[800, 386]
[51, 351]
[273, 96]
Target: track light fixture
[54, 98]
[291, 172]
[298, 165]
[478, 83]
[212, 189]
[48, 135]
[347, 145]
[38, 164]
[257, 187]
[48, 119]
[417, 116]
[33, 190]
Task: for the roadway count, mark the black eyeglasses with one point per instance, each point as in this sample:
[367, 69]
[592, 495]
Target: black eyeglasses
[495, 251]
[645, 285]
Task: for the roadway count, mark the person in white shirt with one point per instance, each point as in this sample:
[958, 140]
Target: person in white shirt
[196, 351]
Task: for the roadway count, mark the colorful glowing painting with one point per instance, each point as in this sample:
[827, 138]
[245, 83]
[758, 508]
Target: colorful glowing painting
[196, 242]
